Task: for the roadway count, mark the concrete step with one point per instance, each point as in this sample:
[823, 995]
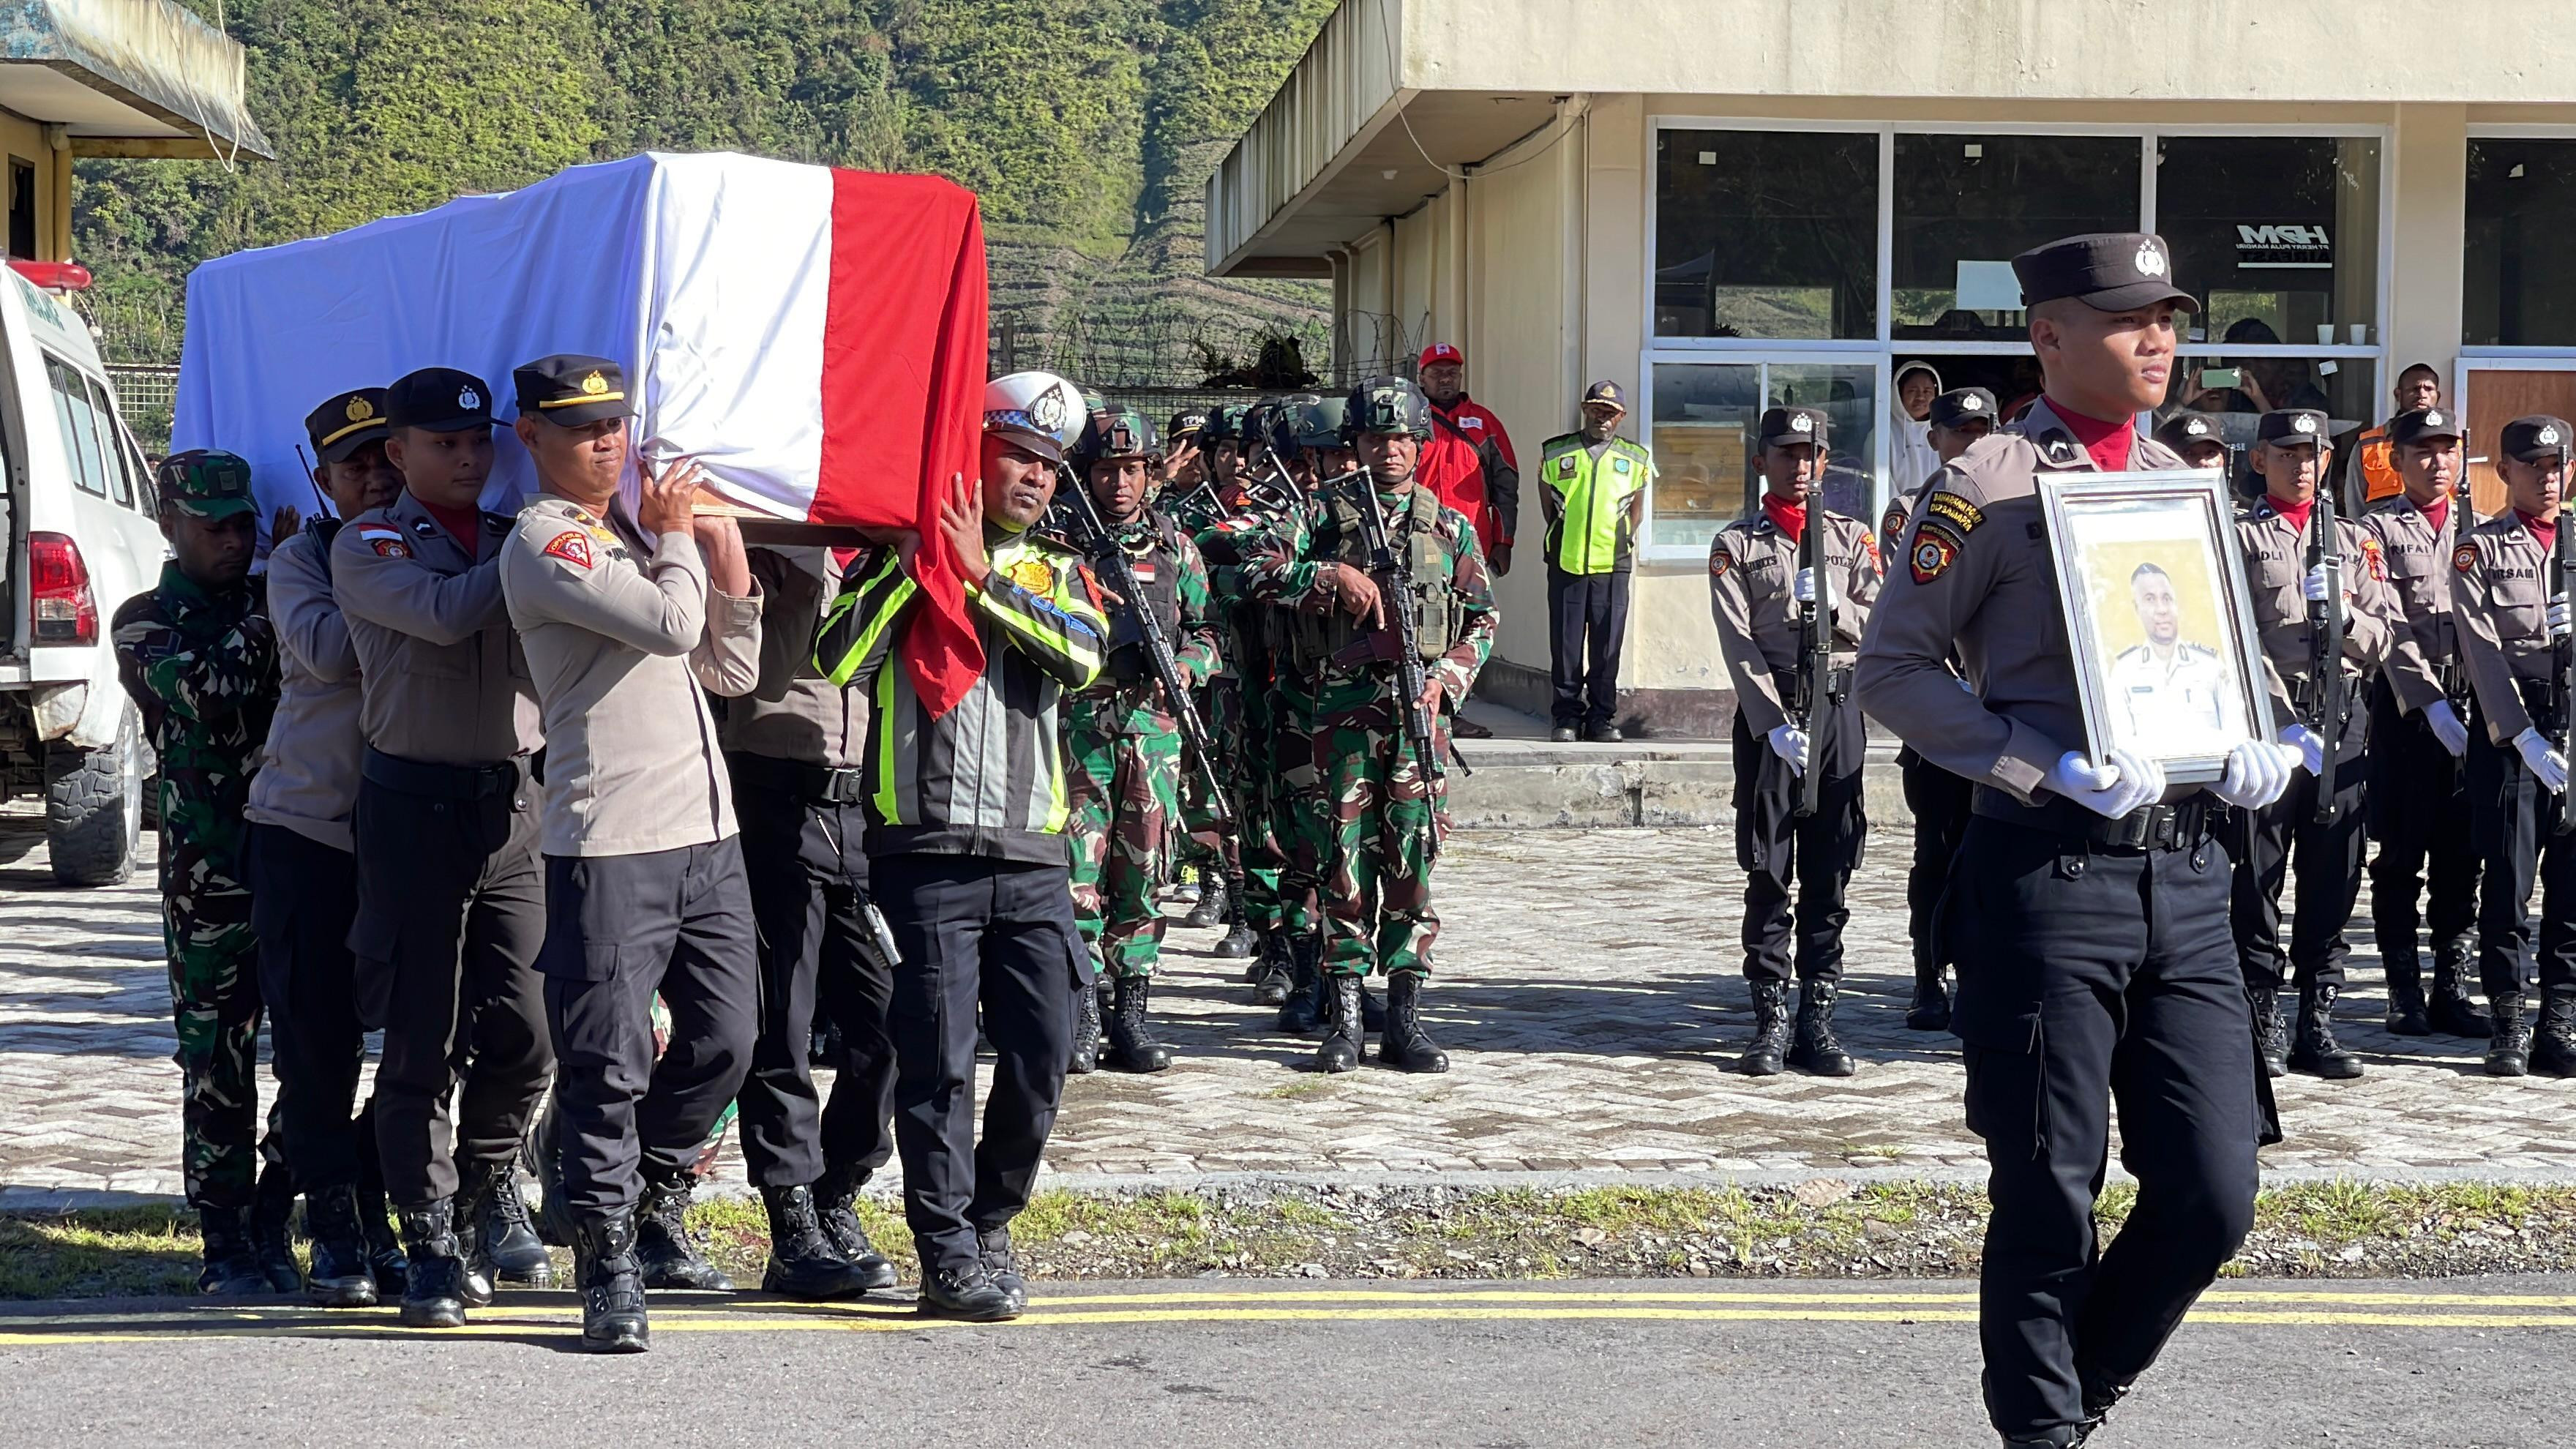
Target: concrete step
[1524, 781]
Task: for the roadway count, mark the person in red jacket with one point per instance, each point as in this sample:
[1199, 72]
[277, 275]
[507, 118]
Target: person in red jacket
[1468, 465]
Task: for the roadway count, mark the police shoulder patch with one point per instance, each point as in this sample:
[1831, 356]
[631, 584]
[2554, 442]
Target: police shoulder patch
[1963, 516]
[1936, 545]
[2465, 557]
[2376, 557]
[1719, 561]
[572, 546]
[389, 547]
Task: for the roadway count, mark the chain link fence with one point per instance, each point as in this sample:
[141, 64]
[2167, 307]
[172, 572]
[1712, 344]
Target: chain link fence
[146, 396]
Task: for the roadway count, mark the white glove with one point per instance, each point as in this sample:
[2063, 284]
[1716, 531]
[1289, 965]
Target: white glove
[2543, 761]
[2314, 586]
[2256, 775]
[1790, 743]
[2310, 745]
[2120, 784]
[1804, 589]
[2446, 726]
[2557, 617]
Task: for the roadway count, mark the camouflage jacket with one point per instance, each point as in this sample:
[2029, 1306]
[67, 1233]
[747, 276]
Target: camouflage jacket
[1228, 545]
[202, 669]
[1153, 544]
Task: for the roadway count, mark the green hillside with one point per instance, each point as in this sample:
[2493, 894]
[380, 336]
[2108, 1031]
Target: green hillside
[1087, 130]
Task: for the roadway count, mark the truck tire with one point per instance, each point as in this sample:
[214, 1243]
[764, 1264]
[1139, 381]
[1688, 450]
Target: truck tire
[94, 807]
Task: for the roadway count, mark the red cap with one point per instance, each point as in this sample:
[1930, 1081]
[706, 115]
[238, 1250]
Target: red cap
[1440, 352]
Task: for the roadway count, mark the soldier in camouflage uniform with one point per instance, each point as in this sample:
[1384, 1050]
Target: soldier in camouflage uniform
[1382, 792]
[1214, 850]
[200, 660]
[1121, 741]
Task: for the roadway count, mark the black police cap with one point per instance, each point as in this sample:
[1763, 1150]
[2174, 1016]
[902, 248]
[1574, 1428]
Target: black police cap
[345, 423]
[1962, 406]
[2425, 424]
[2185, 429]
[2289, 427]
[2536, 438]
[439, 400]
[1782, 427]
[572, 390]
[2111, 271]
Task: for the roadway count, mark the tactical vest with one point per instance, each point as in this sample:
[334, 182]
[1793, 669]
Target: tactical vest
[1436, 616]
[1155, 558]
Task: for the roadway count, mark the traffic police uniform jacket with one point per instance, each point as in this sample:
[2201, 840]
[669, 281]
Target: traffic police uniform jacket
[987, 777]
[620, 635]
[2423, 660]
[443, 679]
[308, 776]
[2500, 599]
[1587, 525]
[1752, 568]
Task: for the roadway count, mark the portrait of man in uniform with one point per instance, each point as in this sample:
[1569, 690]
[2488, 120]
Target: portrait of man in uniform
[2166, 683]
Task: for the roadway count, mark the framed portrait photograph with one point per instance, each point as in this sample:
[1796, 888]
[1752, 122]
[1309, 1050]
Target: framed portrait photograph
[2153, 585]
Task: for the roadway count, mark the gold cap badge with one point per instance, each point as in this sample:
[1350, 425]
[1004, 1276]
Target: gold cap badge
[594, 384]
[359, 410]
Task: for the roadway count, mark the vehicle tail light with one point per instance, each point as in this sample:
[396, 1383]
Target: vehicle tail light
[66, 612]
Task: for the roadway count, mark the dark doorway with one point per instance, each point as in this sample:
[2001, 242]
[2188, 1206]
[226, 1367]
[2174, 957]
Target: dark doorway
[22, 209]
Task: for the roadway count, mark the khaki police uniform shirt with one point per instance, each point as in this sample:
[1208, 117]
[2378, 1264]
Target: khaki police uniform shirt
[2276, 570]
[308, 771]
[443, 681]
[2426, 653]
[1752, 575]
[1974, 578]
[620, 634]
[795, 713]
[2500, 600]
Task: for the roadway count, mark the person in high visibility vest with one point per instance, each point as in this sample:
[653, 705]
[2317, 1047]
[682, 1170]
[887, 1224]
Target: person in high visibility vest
[2418, 387]
[1594, 495]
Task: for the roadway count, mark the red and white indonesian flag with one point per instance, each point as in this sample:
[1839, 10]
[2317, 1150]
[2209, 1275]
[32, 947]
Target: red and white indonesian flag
[816, 337]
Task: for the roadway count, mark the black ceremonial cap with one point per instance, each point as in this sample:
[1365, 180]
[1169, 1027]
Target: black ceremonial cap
[2289, 427]
[2111, 271]
[2536, 437]
[1782, 426]
[1961, 406]
[2423, 423]
[571, 389]
[344, 424]
[2186, 428]
[440, 399]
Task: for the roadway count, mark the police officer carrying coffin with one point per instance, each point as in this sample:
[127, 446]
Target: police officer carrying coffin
[1937, 799]
[2513, 624]
[2419, 809]
[1756, 585]
[2089, 903]
[451, 900]
[624, 622]
[2291, 457]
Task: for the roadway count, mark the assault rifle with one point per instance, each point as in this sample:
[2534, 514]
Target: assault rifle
[1392, 568]
[2326, 684]
[1820, 689]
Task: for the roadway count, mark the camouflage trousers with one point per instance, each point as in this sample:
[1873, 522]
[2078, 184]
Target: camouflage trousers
[1123, 797]
[1247, 737]
[1298, 814]
[1384, 824]
[1212, 848]
[214, 999]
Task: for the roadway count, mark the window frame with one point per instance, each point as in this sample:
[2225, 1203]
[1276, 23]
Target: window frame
[2532, 358]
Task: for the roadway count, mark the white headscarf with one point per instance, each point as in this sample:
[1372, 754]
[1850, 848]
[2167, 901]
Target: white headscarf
[1910, 456]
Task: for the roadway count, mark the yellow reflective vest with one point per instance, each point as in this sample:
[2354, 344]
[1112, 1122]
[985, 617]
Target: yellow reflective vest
[1589, 534]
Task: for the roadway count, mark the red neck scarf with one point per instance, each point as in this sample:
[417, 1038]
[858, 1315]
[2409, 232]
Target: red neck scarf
[1790, 518]
[2437, 512]
[463, 524]
[2543, 531]
[2109, 443]
[2297, 513]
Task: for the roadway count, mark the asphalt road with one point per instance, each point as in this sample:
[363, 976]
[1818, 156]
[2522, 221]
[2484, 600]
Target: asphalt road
[1232, 1362]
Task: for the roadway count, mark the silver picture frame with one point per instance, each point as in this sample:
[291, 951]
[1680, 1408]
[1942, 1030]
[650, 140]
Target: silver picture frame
[2151, 580]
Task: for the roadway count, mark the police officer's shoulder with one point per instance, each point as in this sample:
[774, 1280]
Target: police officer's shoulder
[1998, 465]
[1748, 527]
[1050, 546]
[561, 535]
[2195, 651]
[2134, 654]
[1562, 443]
[2388, 507]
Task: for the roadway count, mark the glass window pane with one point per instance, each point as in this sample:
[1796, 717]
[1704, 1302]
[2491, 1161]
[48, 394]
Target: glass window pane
[2517, 288]
[118, 467]
[1967, 205]
[2278, 235]
[1770, 234]
[2346, 388]
[1848, 393]
[80, 441]
[1704, 416]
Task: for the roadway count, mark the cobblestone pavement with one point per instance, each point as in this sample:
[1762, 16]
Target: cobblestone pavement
[1588, 997]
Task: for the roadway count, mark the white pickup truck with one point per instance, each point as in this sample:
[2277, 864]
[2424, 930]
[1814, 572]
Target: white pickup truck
[82, 539]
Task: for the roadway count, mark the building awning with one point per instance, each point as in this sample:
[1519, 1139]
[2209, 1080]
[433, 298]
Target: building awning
[127, 78]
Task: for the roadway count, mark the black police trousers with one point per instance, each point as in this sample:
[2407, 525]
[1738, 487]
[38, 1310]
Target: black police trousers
[809, 877]
[1939, 803]
[2088, 975]
[1775, 848]
[304, 894]
[1587, 624]
[619, 930]
[2515, 820]
[975, 931]
[2419, 815]
[2286, 834]
[451, 909]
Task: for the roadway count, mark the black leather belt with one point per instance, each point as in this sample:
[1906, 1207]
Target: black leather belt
[819, 783]
[442, 782]
[2182, 825]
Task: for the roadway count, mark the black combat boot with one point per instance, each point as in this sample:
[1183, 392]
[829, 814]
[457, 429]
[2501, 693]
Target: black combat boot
[836, 1203]
[1930, 1009]
[965, 1291]
[1345, 1037]
[232, 1264]
[1372, 1010]
[666, 1253]
[434, 1290]
[1210, 910]
[604, 1268]
[2314, 1049]
[2453, 1012]
[803, 1264]
[503, 1242]
[2553, 1047]
[1271, 984]
[1002, 1266]
[2271, 1038]
[1309, 989]
[384, 1246]
[1815, 1049]
[1405, 1047]
[2406, 1015]
[1769, 1053]
[1238, 941]
[341, 1276]
[1132, 1047]
[1086, 1033]
[2509, 1044]
[272, 1227]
